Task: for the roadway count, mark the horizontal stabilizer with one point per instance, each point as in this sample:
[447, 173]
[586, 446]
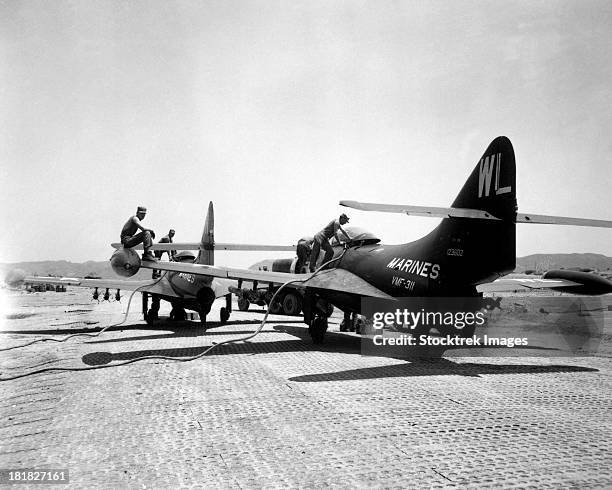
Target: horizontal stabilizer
[218, 246]
[436, 212]
[425, 211]
[561, 220]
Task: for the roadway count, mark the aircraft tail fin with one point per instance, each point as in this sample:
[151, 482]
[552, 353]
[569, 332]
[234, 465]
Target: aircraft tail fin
[206, 255]
[483, 249]
[491, 186]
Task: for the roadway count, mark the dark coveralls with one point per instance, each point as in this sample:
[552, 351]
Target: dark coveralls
[321, 240]
[303, 249]
[128, 239]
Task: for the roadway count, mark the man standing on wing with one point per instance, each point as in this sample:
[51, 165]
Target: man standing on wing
[321, 240]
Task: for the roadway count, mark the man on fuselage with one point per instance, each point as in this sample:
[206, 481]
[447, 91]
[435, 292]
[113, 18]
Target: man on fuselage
[130, 237]
[321, 240]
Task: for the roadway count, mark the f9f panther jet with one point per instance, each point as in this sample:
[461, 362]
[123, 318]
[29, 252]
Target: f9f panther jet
[468, 252]
[183, 290]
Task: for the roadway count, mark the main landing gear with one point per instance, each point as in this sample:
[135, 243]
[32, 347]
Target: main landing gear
[316, 313]
[150, 315]
[226, 310]
[317, 329]
[351, 323]
[205, 299]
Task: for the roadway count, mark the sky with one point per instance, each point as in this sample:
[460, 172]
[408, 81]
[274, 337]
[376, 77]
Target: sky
[277, 110]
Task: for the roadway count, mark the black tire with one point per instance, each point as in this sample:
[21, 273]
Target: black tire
[292, 304]
[317, 329]
[359, 325]
[151, 317]
[205, 298]
[275, 308]
[243, 304]
[178, 314]
[224, 315]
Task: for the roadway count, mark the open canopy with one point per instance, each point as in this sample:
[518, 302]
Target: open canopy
[358, 235]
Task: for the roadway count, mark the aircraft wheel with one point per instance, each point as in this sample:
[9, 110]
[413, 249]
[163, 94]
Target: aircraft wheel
[224, 315]
[178, 314]
[359, 325]
[317, 329]
[151, 317]
[275, 308]
[292, 304]
[343, 327]
[243, 304]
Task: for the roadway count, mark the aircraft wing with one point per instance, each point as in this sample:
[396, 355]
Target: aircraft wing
[338, 280]
[516, 284]
[575, 282]
[89, 283]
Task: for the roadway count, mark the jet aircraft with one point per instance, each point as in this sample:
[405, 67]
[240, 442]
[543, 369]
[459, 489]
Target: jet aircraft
[467, 253]
[473, 246]
[182, 289]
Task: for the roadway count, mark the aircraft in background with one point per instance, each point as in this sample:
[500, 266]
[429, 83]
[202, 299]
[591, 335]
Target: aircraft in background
[473, 246]
[182, 290]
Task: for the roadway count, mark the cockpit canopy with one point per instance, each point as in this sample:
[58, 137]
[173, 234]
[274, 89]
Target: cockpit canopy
[185, 256]
[359, 236]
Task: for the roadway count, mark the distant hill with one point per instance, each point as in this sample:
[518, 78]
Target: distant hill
[538, 262]
[544, 262]
[68, 269]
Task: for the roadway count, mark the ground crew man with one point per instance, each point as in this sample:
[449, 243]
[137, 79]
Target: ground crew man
[304, 248]
[166, 239]
[321, 240]
[158, 253]
[129, 237]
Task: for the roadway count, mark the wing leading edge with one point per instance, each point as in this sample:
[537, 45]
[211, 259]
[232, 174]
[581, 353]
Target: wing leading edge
[332, 279]
[575, 282]
[438, 212]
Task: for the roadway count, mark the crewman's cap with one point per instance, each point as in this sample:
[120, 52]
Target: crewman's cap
[141, 209]
[344, 216]
[172, 231]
